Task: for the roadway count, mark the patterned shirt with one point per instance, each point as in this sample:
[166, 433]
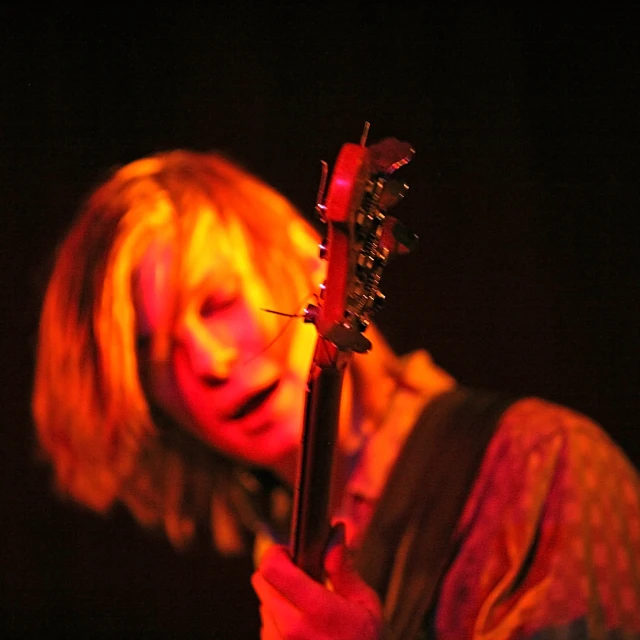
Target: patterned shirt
[551, 535]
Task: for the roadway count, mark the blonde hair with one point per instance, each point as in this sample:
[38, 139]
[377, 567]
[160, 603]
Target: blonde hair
[93, 419]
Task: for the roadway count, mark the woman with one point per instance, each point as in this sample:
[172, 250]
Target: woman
[163, 383]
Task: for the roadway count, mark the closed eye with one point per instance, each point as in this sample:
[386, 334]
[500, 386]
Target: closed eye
[214, 304]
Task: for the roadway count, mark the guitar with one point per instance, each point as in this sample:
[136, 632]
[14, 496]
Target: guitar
[361, 238]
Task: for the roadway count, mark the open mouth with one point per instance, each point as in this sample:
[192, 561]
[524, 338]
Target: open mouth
[255, 401]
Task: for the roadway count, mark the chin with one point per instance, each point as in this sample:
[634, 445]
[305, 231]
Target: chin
[268, 441]
[276, 453]
[273, 450]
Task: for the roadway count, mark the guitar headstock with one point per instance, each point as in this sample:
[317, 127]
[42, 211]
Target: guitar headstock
[361, 238]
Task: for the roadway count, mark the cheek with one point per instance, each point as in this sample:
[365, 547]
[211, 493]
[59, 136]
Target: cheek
[167, 387]
[232, 335]
[301, 347]
[258, 301]
[244, 330]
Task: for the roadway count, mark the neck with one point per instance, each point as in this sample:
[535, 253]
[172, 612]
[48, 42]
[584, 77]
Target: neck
[286, 469]
[398, 394]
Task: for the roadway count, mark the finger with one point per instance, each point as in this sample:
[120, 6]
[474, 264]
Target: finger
[279, 615]
[269, 629]
[290, 581]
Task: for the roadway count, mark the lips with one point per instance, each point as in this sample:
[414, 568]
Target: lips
[254, 402]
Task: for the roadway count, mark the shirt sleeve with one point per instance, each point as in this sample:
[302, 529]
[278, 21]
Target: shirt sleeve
[550, 535]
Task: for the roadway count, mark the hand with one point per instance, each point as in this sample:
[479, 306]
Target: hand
[296, 607]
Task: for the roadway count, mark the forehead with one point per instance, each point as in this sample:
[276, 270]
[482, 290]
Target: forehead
[201, 253]
[210, 248]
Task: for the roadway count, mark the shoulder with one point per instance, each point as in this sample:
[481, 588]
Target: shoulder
[530, 421]
[532, 427]
[551, 529]
[544, 453]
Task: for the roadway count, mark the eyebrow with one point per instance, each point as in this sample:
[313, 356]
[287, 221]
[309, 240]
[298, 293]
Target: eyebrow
[212, 279]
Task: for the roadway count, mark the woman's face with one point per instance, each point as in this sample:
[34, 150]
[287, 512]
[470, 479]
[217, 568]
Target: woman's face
[230, 376]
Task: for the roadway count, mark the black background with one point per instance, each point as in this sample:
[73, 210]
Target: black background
[523, 190]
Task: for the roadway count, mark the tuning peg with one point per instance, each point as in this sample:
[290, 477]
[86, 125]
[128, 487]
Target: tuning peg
[396, 238]
[347, 338]
[322, 187]
[389, 154]
[311, 313]
[365, 261]
[322, 249]
[378, 301]
[392, 192]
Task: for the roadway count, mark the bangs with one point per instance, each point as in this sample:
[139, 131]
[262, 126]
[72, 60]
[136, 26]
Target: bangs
[227, 224]
[212, 248]
[215, 250]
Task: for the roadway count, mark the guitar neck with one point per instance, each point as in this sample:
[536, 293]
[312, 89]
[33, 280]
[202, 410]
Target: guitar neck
[311, 516]
[360, 240]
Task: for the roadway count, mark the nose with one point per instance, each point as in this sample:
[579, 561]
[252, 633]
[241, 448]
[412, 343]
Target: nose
[211, 357]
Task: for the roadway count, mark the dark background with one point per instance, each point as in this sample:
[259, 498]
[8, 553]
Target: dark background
[523, 190]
